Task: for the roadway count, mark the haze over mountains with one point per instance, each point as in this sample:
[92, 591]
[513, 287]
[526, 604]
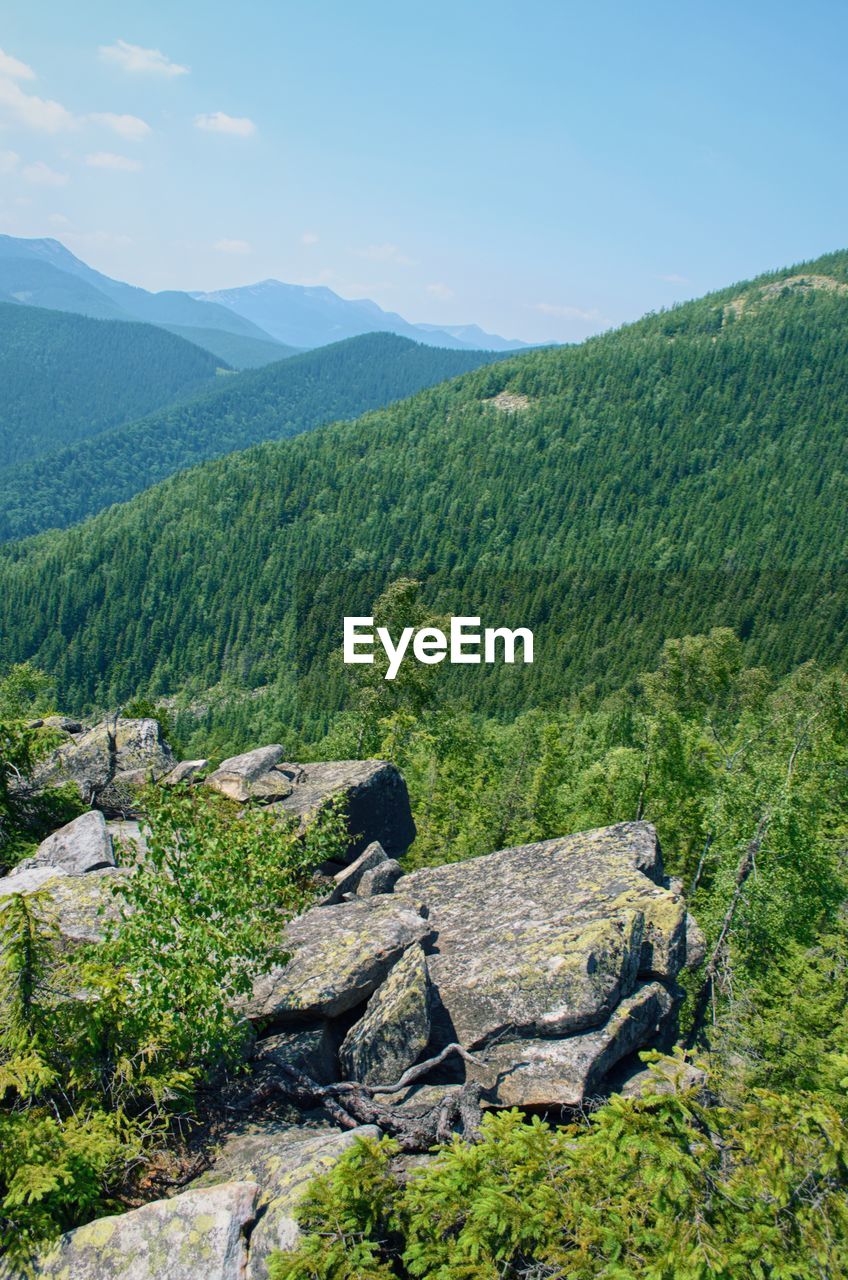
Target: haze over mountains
[311, 316]
[684, 472]
[268, 319]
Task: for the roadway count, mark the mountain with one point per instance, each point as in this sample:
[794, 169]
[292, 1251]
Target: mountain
[44, 273]
[66, 377]
[235, 349]
[685, 472]
[293, 395]
[309, 316]
[471, 335]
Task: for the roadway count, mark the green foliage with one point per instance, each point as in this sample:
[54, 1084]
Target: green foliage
[97, 1047]
[26, 817]
[26, 691]
[60, 1152]
[202, 915]
[78, 478]
[661, 1188]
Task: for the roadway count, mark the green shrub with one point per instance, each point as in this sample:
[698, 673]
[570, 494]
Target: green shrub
[660, 1188]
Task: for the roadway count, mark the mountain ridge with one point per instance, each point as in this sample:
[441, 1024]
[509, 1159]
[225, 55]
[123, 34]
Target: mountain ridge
[654, 481]
[312, 314]
[294, 394]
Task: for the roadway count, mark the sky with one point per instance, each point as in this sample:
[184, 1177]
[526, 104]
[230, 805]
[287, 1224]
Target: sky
[547, 169]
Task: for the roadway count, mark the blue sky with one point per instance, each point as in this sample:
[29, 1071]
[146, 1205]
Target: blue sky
[547, 169]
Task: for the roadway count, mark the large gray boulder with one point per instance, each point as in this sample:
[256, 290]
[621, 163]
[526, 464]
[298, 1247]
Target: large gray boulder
[81, 907]
[339, 956]
[199, 1234]
[283, 1164]
[374, 794]
[565, 1072]
[108, 762]
[395, 1029]
[82, 845]
[251, 776]
[544, 940]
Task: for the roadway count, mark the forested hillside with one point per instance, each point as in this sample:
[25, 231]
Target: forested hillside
[280, 400]
[685, 472]
[64, 377]
[236, 349]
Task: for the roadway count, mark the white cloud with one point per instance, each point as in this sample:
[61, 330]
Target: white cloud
[309, 237]
[674, 279]
[563, 312]
[35, 112]
[386, 253]
[220, 122]
[59, 220]
[9, 161]
[14, 68]
[440, 291]
[140, 61]
[41, 175]
[108, 160]
[232, 246]
[130, 127]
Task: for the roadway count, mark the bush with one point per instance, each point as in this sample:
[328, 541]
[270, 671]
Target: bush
[660, 1188]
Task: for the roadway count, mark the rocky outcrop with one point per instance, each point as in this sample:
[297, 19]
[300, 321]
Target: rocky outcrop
[201, 1233]
[82, 845]
[549, 962]
[79, 906]
[395, 1029]
[374, 795]
[339, 955]
[567, 1071]
[108, 763]
[283, 1163]
[545, 939]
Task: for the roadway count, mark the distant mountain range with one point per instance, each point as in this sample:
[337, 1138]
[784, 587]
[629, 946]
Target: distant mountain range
[307, 316]
[268, 319]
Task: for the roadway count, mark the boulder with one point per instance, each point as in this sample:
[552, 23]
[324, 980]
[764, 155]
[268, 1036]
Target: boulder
[282, 1163]
[105, 763]
[201, 1233]
[339, 956]
[310, 1049]
[347, 880]
[395, 1029]
[251, 776]
[544, 940]
[374, 794]
[80, 906]
[129, 840]
[185, 771]
[565, 1072]
[82, 845]
[380, 879]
